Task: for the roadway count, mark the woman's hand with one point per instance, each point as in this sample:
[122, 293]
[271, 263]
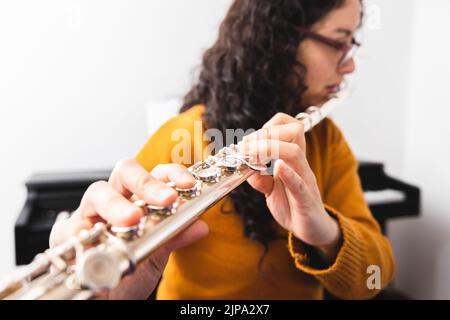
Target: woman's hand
[111, 202]
[292, 194]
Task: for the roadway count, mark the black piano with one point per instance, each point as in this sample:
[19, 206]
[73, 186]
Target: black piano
[47, 196]
[375, 181]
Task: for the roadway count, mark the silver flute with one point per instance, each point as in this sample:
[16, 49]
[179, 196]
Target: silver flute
[94, 262]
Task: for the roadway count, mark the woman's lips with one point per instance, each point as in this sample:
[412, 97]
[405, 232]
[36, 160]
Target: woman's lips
[333, 88]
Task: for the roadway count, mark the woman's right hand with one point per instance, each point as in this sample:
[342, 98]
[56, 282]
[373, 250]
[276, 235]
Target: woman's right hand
[111, 202]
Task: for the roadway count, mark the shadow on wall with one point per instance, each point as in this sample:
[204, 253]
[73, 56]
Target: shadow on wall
[423, 255]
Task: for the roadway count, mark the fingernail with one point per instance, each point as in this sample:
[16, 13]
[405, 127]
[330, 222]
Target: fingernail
[187, 177]
[171, 184]
[165, 193]
[134, 214]
[280, 165]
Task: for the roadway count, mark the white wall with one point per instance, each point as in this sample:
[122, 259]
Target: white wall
[75, 77]
[423, 245]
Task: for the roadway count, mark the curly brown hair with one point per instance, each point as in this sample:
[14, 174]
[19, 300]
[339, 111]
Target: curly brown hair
[250, 74]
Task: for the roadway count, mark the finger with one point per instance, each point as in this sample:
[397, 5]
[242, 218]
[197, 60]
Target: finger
[101, 200]
[129, 177]
[175, 173]
[291, 132]
[294, 184]
[291, 153]
[64, 229]
[139, 284]
[266, 150]
[279, 202]
[261, 183]
[278, 119]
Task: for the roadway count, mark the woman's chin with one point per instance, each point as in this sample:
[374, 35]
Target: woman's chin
[321, 99]
[316, 100]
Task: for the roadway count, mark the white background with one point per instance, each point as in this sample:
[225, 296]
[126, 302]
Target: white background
[77, 79]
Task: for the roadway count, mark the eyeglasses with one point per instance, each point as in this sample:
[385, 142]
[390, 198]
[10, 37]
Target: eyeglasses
[348, 50]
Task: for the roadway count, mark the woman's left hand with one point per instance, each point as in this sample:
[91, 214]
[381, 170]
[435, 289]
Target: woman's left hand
[292, 194]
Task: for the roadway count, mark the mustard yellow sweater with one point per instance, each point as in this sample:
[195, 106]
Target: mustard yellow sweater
[224, 265]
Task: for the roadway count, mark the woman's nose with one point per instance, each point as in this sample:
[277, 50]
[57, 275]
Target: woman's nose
[348, 67]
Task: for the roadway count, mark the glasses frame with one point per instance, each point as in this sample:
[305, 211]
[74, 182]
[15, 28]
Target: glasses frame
[348, 50]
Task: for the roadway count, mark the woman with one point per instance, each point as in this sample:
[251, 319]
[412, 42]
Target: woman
[289, 236]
